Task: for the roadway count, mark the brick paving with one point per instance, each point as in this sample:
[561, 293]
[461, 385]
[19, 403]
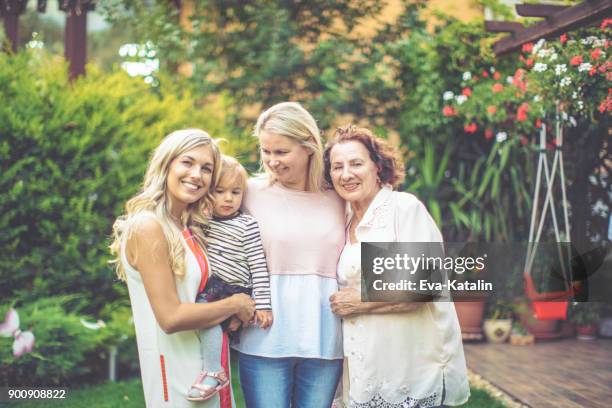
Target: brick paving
[565, 373]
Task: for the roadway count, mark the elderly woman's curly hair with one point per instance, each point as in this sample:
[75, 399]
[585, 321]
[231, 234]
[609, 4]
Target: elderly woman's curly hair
[386, 157]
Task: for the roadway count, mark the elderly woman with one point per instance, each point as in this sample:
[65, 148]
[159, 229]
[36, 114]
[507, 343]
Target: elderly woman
[396, 354]
[297, 361]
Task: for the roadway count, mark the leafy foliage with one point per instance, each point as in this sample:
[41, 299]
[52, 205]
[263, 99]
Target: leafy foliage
[391, 79]
[71, 155]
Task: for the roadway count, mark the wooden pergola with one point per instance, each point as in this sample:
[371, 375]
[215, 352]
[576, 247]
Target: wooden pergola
[557, 20]
[75, 34]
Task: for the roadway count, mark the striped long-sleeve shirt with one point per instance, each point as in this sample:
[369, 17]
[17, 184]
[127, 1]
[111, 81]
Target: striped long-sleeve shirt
[236, 255]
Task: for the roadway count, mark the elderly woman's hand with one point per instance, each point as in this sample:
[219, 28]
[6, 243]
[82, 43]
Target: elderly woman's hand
[346, 302]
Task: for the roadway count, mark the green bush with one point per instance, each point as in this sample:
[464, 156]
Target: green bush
[62, 345]
[66, 351]
[70, 156]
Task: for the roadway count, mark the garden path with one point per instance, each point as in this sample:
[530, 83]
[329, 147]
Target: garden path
[566, 373]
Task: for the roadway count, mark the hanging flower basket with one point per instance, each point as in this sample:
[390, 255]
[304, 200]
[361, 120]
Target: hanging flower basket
[547, 305]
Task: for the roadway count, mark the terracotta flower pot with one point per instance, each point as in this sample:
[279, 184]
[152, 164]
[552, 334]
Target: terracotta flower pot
[517, 339]
[470, 312]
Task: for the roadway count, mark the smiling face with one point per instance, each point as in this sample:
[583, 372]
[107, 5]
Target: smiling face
[189, 177]
[228, 196]
[286, 159]
[353, 173]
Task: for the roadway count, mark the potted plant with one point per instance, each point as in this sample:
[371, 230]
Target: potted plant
[519, 336]
[498, 326]
[585, 316]
[470, 306]
[541, 329]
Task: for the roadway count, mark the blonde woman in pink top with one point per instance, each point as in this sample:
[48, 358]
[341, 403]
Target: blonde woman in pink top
[297, 362]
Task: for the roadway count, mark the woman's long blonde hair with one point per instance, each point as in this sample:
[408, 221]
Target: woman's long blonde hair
[153, 198]
[290, 119]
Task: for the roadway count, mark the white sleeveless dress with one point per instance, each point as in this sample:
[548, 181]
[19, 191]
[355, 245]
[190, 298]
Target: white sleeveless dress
[169, 363]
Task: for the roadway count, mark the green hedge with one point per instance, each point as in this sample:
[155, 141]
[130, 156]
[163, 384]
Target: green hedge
[70, 156]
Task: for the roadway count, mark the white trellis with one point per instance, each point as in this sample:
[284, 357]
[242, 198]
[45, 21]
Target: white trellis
[545, 178]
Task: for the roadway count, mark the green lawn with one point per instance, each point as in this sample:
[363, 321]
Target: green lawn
[128, 394]
[481, 399]
[125, 394]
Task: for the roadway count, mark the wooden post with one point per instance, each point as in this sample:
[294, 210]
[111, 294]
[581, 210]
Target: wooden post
[11, 27]
[10, 11]
[75, 49]
[75, 34]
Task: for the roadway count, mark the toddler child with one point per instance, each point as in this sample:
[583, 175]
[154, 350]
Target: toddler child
[238, 265]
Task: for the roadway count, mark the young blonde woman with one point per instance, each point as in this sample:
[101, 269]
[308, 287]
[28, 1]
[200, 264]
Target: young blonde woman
[158, 248]
[297, 362]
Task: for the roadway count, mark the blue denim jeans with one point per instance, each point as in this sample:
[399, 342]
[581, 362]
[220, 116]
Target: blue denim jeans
[288, 382]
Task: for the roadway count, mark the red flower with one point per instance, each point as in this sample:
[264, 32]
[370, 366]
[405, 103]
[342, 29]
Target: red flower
[497, 87]
[485, 74]
[538, 123]
[576, 60]
[491, 109]
[605, 23]
[527, 48]
[519, 74]
[448, 111]
[606, 104]
[563, 38]
[521, 113]
[609, 103]
[529, 62]
[496, 75]
[596, 53]
[467, 92]
[609, 76]
[471, 128]
[524, 140]
[518, 79]
[488, 134]
[592, 71]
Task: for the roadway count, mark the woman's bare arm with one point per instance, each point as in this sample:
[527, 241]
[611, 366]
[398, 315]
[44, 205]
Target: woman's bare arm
[148, 253]
[347, 303]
